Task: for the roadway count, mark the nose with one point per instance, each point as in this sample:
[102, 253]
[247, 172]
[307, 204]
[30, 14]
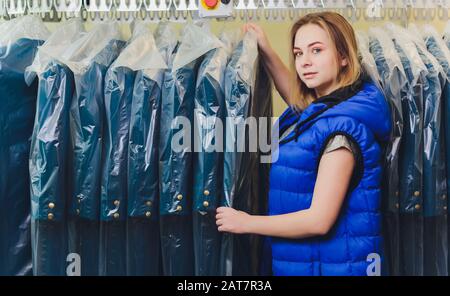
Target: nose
[305, 61]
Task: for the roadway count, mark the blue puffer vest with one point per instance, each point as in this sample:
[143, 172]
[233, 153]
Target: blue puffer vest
[365, 119]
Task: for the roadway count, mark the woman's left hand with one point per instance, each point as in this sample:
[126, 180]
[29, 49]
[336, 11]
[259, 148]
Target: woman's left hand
[231, 220]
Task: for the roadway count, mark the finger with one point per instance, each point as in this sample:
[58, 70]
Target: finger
[219, 216]
[219, 222]
[222, 229]
[254, 27]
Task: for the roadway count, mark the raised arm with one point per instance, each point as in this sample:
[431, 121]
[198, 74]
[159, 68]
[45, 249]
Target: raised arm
[277, 69]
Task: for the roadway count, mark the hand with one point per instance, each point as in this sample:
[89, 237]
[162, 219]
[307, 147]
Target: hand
[231, 220]
[263, 42]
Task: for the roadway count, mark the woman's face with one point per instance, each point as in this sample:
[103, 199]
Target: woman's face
[316, 60]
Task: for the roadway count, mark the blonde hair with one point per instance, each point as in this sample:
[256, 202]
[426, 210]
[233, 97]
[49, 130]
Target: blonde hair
[343, 37]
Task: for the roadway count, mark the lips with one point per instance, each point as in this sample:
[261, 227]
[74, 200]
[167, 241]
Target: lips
[309, 74]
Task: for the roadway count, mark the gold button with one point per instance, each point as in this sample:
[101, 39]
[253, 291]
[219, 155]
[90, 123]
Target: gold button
[78, 211]
[116, 215]
[416, 193]
[51, 205]
[396, 193]
[205, 204]
[148, 214]
[444, 196]
[445, 207]
[179, 197]
[50, 216]
[417, 207]
[148, 203]
[116, 202]
[179, 208]
[206, 192]
[397, 205]
[79, 200]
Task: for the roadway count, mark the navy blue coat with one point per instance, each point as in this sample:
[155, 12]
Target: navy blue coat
[18, 101]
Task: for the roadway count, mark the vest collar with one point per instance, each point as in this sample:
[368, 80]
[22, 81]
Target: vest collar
[340, 94]
[336, 97]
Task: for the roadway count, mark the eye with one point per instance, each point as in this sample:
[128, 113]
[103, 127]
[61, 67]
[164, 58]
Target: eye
[298, 54]
[316, 50]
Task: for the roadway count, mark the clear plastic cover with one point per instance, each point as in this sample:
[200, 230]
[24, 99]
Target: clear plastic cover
[143, 237]
[26, 27]
[411, 154]
[86, 130]
[175, 164]
[447, 34]
[19, 41]
[367, 61]
[435, 183]
[393, 81]
[54, 47]
[48, 170]
[209, 116]
[239, 86]
[435, 207]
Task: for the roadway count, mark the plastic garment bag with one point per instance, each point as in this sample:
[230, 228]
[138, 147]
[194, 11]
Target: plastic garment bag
[393, 81]
[209, 115]
[19, 39]
[239, 87]
[260, 261]
[89, 58]
[435, 180]
[368, 63]
[175, 150]
[49, 155]
[143, 243]
[252, 192]
[442, 53]
[411, 154]
[447, 35]
[119, 83]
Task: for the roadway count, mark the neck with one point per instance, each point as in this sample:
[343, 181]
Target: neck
[326, 89]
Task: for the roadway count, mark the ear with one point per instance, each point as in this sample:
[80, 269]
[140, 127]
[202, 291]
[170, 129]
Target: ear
[344, 62]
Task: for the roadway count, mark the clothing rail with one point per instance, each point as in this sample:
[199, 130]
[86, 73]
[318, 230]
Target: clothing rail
[181, 10]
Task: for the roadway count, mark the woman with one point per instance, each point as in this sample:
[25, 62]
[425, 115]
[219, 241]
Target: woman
[324, 199]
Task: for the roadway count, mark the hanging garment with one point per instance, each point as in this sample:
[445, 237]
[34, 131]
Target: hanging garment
[50, 154]
[411, 155]
[209, 115]
[143, 243]
[119, 83]
[175, 150]
[239, 87]
[442, 53]
[89, 59]
[252, 193]
[48, 170]
[393, 81]
[18, 47]
[435, 181]
[362, 114]
[447, 35]
[368, 62]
